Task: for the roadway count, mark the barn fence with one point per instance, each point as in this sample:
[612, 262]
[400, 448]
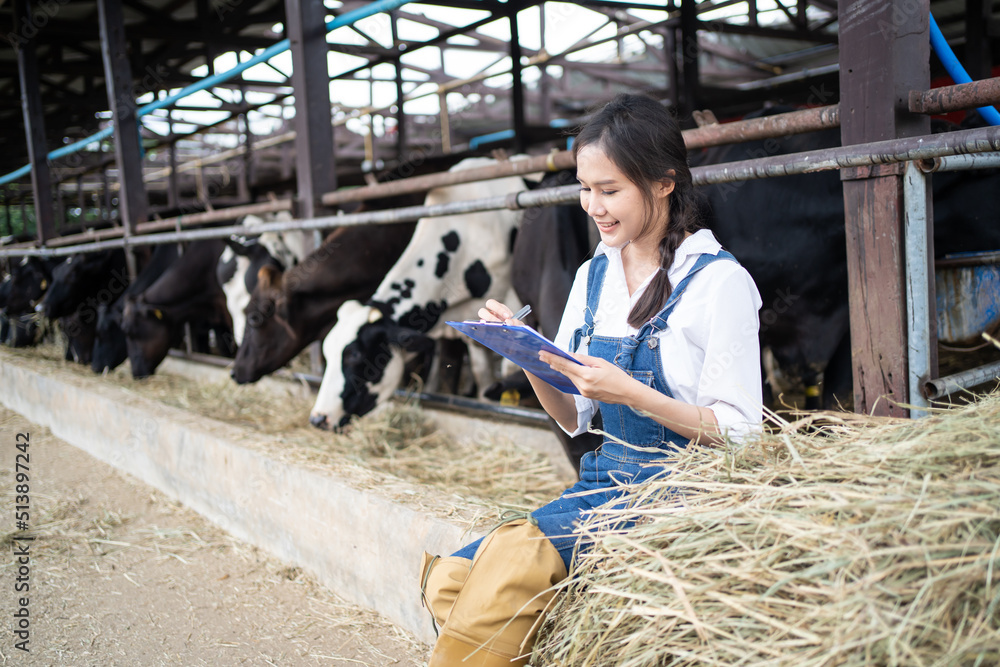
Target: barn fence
[963, 149]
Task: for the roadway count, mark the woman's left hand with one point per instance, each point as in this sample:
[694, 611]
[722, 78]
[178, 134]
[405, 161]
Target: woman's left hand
[596, 379]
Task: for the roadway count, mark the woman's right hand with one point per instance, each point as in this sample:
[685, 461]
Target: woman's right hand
[494, 311]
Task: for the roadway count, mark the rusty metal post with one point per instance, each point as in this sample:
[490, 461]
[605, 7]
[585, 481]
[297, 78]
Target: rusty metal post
[173, 191]
[34, 126]
[517, 86]
[400, 116]
[132, 202]
[314, 159]
[690, 98]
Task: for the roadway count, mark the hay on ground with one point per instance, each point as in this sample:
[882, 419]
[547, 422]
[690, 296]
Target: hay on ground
[476, 477]
[842, 540]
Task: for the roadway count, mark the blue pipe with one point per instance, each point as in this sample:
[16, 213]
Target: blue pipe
[347, 18]
[476, 142]
[955, 69]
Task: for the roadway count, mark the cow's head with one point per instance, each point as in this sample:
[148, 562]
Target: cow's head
[237, 272]
[65, 290]
[110, 348]
[366, 358]
[148, 334]
[29, 281]
[269, 341]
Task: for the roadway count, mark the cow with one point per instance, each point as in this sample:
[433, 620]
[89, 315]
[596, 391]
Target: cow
[452, 264]
[80, 284]
[29, 279]
[187, 292]
[4, 320]
[789, 233]
[288, 248]
[237, 272]
[110, 347]
[242, 260]
[288, 310]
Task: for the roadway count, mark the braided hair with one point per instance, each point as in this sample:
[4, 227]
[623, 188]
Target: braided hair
[643, 140]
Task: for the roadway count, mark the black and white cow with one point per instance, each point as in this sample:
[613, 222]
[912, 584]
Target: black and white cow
[451, 266]
[288, 248]
[237, 272]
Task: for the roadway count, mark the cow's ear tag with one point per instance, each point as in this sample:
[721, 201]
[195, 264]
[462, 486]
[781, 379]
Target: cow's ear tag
[374, 316]
[45, 283]
[158, 313]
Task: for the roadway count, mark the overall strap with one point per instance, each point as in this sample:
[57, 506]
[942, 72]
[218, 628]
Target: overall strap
[595, 283]
[629, 344]
[659, 321]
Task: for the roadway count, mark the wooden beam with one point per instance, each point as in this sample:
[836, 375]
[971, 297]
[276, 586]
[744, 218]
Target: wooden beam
[894, 34]
[34, 124]
[133, 204]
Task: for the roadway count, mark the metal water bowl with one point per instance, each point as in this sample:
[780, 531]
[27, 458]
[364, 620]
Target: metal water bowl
[968, 296]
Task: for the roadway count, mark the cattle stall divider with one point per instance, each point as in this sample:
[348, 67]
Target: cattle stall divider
[923, 388]
[978, 140]
[950, 146]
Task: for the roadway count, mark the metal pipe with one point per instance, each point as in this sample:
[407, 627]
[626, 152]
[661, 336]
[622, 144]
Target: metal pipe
[919, 283]
[859, 155]
[960, 162]
[527, 415]
[974, 259]
[464, 404]
[778, 125]
[781, 79]
[551, 162]
[949, 384]
[218, 215]
[879, 152]
[953, 98]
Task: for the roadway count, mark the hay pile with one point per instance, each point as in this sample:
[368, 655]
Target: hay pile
[837, 541]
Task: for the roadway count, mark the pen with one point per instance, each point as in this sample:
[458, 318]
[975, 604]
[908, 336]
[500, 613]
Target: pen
[521, 313]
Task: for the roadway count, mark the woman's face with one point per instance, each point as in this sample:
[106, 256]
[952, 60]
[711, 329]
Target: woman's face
[615, 203]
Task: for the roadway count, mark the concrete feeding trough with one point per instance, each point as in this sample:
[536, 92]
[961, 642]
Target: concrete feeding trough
[362, 540]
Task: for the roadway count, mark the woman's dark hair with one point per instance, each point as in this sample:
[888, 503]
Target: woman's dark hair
[642, 138]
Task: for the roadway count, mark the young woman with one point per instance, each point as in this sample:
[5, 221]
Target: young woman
[664, 321]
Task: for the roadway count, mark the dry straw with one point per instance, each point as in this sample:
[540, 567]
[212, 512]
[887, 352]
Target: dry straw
[835, 540]
[479, 475]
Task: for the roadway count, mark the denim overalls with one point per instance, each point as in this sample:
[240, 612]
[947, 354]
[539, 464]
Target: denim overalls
[605, 472]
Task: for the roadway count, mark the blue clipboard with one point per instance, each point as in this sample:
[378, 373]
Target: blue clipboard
[521, 345]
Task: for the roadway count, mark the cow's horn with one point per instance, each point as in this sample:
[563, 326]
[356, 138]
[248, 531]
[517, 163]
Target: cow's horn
[374, 316]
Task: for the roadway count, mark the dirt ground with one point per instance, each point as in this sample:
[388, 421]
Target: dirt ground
[119, 574]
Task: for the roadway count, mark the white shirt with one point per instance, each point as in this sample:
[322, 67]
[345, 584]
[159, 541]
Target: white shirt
[709, 350]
